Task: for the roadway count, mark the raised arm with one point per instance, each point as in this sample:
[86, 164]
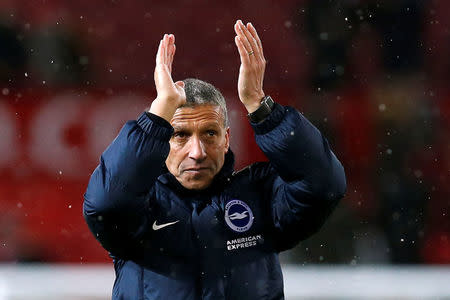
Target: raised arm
[309, 179]
[116, 200]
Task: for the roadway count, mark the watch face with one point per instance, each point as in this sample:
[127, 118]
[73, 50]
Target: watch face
[263, 110]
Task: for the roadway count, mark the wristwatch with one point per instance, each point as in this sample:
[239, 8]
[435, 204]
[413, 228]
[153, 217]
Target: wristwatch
[263, 110]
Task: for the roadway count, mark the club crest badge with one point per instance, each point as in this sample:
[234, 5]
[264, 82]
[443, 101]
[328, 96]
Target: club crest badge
[238, 216]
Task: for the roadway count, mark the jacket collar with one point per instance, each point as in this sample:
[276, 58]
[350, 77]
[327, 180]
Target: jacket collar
[219, 180]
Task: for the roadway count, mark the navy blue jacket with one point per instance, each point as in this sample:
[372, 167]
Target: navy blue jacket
[168, 242]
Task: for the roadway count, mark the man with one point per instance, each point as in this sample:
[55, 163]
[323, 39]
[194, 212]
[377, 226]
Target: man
[179, 223]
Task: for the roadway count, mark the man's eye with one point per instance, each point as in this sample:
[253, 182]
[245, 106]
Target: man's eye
[211, 133]
[179, 134]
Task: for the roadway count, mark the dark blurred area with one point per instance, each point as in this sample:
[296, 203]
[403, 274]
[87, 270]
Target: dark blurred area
[371, 75]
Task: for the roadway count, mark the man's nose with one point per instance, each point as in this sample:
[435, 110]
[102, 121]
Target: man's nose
[197, 149]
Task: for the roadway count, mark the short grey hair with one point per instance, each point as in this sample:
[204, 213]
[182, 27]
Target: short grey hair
[199, 92]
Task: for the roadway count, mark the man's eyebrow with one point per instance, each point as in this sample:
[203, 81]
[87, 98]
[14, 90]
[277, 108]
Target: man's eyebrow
[212, 123]
[179, 128]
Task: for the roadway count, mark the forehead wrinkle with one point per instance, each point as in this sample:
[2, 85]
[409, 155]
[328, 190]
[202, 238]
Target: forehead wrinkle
[194, 116]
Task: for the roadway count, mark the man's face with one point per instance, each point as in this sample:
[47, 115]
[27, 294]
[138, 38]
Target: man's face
[198, 145]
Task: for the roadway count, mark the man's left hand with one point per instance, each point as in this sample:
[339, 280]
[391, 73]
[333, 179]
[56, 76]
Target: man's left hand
[253, 65]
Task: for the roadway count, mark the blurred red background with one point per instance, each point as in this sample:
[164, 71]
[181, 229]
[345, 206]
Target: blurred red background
[372, 75]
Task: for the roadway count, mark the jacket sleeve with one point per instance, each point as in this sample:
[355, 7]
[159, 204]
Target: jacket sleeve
[116, 200]
[309, 179]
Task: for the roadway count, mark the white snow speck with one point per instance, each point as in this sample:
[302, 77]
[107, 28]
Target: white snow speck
[382, 107]
[5, 91]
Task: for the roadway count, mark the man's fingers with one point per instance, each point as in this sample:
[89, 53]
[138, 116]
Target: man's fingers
[165, 47]
[245, 59]
[166, 51]
[255, 35]
[172, 54]
[162, 60]
[248, 36]
[243, 38]
[159, 53]
[170, 51]
[162, 51]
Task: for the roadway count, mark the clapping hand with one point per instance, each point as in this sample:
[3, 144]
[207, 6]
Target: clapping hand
[170, 95]
[253, 65]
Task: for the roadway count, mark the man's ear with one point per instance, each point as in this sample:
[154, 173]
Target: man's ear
[227, 139]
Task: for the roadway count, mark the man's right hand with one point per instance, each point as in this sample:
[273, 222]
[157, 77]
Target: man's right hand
[170, 95]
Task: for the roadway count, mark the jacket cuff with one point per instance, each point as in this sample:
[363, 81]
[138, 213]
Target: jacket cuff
[272, 120]
[155, 125]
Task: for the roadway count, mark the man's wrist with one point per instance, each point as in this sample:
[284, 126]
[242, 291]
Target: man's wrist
[253, 105]
[263, 110]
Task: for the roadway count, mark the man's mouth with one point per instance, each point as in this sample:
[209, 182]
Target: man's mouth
[196, 170]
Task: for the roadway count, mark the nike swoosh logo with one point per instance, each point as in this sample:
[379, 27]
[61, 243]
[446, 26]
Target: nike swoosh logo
[158, 227]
